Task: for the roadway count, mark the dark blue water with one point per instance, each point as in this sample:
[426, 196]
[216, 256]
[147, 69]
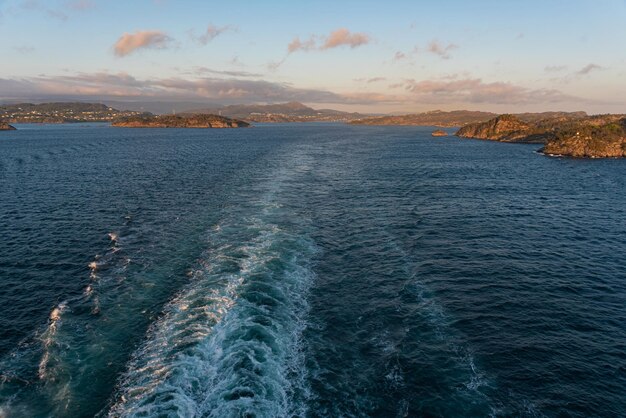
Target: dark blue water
[307, 270]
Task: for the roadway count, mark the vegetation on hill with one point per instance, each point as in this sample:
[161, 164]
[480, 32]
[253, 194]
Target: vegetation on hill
[178, 121]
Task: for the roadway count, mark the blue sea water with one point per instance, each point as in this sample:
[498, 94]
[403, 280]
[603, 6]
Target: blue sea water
[307, 270]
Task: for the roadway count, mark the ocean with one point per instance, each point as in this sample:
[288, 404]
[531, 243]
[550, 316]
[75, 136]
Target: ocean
[307, 270]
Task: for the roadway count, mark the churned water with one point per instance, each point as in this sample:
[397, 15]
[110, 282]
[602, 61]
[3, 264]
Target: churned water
[307, 270]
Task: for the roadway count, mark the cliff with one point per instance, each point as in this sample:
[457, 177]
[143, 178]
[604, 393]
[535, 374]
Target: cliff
[6, 127]
[187, 121]
[504, 128]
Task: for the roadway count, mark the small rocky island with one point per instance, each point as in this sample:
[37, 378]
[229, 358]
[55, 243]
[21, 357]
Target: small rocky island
[180, 121]
[600, 136]
[439, 132]
[6, 127]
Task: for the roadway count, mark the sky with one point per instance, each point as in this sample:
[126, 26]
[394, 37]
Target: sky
[369, 56]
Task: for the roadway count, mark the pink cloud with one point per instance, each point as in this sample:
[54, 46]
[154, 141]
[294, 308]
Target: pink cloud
[337, 38]
[343, 36]
[130, 42]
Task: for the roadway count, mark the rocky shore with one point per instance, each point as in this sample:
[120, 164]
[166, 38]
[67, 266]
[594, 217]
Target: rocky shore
[600, 136]
[6, 127]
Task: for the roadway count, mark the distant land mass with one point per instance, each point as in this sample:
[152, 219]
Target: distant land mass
[6, 127]
[433, 118]
[574, 135]
[61, 112]
[439, 132]
[281, 112]
[457, 118]
[180, 121]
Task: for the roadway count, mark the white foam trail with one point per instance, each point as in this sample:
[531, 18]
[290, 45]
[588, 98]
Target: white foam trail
[48, 338]
[230, 343]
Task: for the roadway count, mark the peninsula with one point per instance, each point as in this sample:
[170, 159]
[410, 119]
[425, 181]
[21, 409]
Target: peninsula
[599, 136]
[180, 121]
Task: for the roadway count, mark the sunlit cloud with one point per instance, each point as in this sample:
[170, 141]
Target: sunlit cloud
[342, 37]
[337, 38]
[130, 42]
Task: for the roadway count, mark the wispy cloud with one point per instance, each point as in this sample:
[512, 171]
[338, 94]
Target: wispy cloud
[440, 49]
[434, 47]
[24, 49]
[211, 32]
[229, 73]
[370, 80]
[298, 45]
[589, 68]
[130, 42]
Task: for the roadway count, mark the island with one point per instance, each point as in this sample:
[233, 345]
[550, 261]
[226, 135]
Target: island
[180, 121]
[6, 127]
[439, 132]
[574, 135]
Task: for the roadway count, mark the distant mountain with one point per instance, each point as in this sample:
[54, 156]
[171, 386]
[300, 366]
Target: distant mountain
[61, 112]
[281, 112]
[432, 118]
[460, 118]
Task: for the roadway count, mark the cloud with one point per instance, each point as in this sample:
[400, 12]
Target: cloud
[211, 33]
[130, 42]
[337, 38]
[442, 50]
[554, 68]
[589, 68]
[230, 73]
[298, 45]
[370, 80]
[399, 55]
[343, 36]
[122, 86]
[474, 90]
[24, 49]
